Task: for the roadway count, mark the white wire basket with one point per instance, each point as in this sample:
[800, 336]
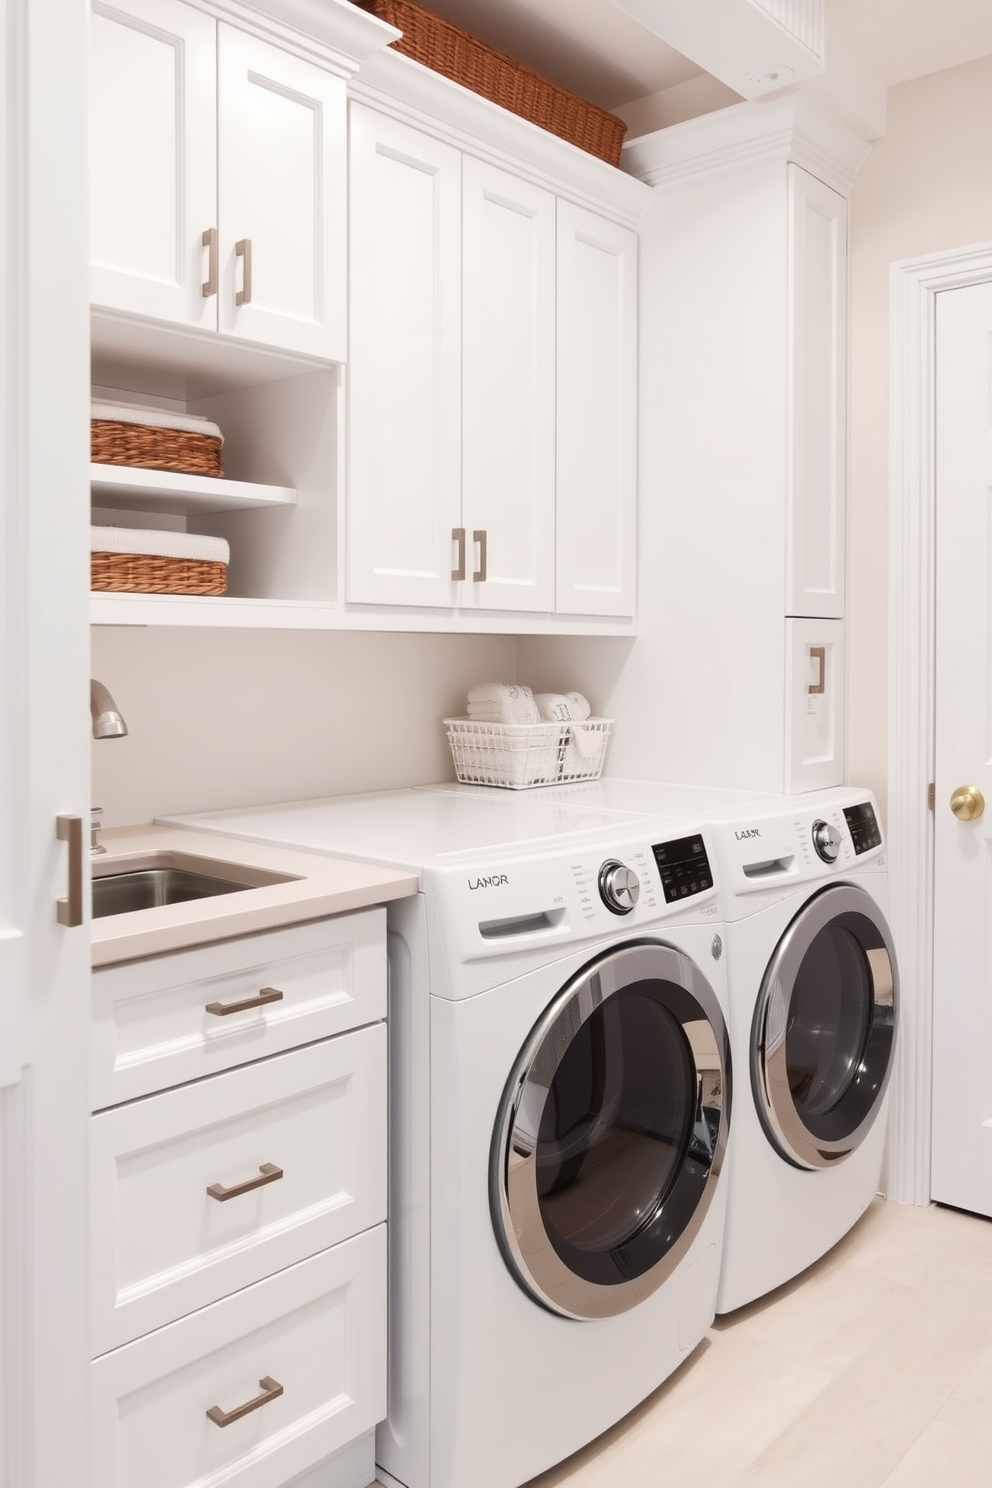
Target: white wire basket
[520, 755]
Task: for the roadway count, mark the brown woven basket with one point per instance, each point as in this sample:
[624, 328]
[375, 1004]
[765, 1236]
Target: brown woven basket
[114, 443]
[145, 573]
[459, 55]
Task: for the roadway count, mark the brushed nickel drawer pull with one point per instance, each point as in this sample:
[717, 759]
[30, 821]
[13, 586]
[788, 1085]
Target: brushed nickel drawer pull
[267, 1173]
[267, 994]
[482, 538]
[243, 250]
[271, 1390]
[69, 912]
[458, 536]
[818, 654]
[209, 241]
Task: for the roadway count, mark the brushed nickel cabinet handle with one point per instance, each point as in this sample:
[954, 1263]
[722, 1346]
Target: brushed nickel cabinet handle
[69, 912]
[458, 536]
[819, 655]
[209, 241]
[482, 538]
[267, 1173]
[271, 1390]
[267, 994]
[243, 249]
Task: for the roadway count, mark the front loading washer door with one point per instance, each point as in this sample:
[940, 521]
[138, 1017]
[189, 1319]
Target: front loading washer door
[824, 1027]
[611, 1132]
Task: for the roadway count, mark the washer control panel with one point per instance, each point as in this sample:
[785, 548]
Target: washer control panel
[684, 867]
[863, 827]
[619, 886]
[827, 840]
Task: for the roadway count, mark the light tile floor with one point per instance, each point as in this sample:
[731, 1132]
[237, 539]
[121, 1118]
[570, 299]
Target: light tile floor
[874, 1368]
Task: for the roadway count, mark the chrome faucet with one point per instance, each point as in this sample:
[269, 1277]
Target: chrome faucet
[108, 723]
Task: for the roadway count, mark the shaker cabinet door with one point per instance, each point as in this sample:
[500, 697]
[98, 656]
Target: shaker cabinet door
[404, 373]
[818, 416]
[282, 183]
[597, 413]
[508, 389]
[152, 159]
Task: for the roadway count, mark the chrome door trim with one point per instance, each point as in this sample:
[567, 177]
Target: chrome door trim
[776, 1108]
[514, 1199]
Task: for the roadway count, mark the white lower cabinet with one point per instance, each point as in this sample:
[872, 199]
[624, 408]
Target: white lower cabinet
[304, 1350]
[237, 1208]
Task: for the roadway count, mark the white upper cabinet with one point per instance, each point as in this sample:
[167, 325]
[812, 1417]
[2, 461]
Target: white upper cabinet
[491, 386]
[596, 414]
[404, 373]
[818, 386]
[218, 179]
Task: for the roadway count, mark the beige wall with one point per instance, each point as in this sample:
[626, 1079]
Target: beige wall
[925, 188]
[243, 717]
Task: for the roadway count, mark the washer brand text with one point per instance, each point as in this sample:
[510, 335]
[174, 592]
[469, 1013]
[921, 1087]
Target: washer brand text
[494, 881]
[748, 832]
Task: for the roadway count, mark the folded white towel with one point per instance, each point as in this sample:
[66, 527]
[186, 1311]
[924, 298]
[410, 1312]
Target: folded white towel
[191, 545]
[554, 706]
[502, 702]
[156, 418]
[587, 741]
[578, 704]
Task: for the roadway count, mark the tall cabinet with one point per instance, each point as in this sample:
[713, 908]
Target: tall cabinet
[743, 416]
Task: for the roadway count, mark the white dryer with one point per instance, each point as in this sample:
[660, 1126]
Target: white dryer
[559, 1113]
[814, 994]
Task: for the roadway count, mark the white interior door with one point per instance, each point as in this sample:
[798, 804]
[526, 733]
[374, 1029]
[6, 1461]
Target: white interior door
[962, 997]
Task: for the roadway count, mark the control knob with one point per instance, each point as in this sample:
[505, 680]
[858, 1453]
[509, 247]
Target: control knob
[827, 840]
[619, 886]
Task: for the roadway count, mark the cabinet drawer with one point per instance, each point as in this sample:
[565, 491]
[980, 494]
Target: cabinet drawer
[308, 1127]
[160, 1022]
[317, 1329]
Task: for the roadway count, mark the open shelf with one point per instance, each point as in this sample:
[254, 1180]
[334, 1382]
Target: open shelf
[125, 488]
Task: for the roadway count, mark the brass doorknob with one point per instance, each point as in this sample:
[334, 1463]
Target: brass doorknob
[967, 803]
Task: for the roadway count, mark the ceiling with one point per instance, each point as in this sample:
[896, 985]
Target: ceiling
[596, 50]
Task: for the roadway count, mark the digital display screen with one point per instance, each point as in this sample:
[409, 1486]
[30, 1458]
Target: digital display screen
[863, 827]
[684, 867]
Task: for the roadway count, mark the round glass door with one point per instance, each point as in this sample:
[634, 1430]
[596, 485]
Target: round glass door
[611, 1132]
[824, 1028]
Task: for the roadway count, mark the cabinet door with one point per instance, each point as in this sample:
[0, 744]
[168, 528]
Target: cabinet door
[152, 159]
[818, 417]
[404, 370]
[508, 389]
[282, 188]
[596, 423]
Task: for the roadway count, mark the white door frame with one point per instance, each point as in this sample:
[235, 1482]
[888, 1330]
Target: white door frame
[914, 284]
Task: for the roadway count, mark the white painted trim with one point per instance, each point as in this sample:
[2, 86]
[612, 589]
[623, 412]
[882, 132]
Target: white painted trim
[913, 286]
[780, 129]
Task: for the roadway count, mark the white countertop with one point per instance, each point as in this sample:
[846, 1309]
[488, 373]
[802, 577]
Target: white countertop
[318, 886]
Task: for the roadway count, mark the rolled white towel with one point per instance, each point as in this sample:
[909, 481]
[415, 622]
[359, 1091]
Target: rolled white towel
[579, 705]
[554, 706]
[502, 702]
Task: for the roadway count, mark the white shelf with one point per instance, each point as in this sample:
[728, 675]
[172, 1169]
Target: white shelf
[125, 488]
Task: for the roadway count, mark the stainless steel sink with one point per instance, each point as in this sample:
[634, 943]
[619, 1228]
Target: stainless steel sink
[157, 879]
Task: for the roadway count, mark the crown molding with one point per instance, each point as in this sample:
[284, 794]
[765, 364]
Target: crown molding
[785, 129]
[334, 33]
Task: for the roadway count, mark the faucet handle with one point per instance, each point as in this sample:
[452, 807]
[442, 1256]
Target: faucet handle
[96, 812]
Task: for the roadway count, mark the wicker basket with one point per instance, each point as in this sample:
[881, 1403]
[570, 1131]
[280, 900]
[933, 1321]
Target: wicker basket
[459, 55]
[518, 756]
[113, 443]
[114, 568]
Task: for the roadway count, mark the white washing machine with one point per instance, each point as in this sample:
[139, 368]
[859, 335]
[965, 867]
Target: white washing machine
[813, 987]
[559, 1113]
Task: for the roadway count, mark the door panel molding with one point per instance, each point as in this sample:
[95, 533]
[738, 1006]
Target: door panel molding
[913, 285]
